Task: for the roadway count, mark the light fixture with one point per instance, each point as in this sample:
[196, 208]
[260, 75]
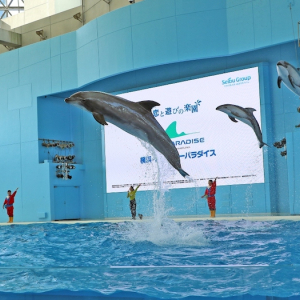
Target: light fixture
[78, 17]
[40, 33]
[283, 153]
[280, 144]
[131, 1]
[107, 1]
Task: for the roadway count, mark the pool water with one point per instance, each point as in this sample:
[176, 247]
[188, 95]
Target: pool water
[161, 259]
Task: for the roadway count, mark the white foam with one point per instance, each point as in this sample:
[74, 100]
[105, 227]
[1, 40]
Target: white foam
[161, 230]
[164, 232]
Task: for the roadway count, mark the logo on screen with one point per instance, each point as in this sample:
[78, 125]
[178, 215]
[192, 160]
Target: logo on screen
[172, 131]
[236, 81]
[189, 141]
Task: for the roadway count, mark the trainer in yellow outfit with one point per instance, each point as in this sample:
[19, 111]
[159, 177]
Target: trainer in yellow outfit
[132, 203]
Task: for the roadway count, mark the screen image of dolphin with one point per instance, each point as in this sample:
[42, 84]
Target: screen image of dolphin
[244, 115]
[134, 118]
[289, 75]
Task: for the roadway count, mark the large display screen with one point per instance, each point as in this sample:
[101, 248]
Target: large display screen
[209, 143]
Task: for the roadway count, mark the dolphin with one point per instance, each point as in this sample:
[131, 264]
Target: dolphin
[245, 115]
[135, 118]
[289, 75]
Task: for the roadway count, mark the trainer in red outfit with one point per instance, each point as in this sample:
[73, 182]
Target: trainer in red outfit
[210, 195]
[8, 204]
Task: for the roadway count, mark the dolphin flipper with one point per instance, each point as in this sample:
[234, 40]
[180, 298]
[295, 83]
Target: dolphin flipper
[148, 104]
[291, 81]
[279, 79]
[99, 118]
[232, 119]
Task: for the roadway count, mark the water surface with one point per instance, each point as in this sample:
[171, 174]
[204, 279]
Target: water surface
[161, 259]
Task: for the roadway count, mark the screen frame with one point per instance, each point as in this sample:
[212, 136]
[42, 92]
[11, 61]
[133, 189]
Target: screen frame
[264, 92]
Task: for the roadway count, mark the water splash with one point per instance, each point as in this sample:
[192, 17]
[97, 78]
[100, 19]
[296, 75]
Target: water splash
[248, 196]
[161, 230]
[161, 172]
[164, 232]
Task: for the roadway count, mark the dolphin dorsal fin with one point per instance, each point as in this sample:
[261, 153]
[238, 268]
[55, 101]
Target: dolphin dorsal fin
[148, 104]
[250, 109]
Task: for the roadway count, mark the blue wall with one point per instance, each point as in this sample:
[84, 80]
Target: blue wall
[145, 44]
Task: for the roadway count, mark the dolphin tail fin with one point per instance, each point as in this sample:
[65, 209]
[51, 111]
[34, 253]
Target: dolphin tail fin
[183, 173]
[263, 144]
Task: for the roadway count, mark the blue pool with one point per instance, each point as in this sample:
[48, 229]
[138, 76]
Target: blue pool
[160, 260]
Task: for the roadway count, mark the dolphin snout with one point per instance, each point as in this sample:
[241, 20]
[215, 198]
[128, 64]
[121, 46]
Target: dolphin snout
[67, 100]
[221, 107]
[282, 63]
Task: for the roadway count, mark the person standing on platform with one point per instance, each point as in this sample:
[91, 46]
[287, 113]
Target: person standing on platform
[9, 204]
[132, 203]
[210, 195]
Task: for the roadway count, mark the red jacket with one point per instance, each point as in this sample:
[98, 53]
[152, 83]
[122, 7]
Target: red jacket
[11, 199]
[210, 192]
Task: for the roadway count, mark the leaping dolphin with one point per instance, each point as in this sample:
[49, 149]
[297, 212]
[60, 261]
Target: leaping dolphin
[135, 118]
[289, 75]
[245, 115]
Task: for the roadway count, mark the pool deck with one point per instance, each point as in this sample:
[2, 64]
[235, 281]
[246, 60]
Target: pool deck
[177, 219]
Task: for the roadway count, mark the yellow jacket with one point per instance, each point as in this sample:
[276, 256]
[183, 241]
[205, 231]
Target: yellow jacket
[131, 194]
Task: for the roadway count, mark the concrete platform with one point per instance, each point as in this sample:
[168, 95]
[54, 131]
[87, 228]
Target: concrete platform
[176, 219]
